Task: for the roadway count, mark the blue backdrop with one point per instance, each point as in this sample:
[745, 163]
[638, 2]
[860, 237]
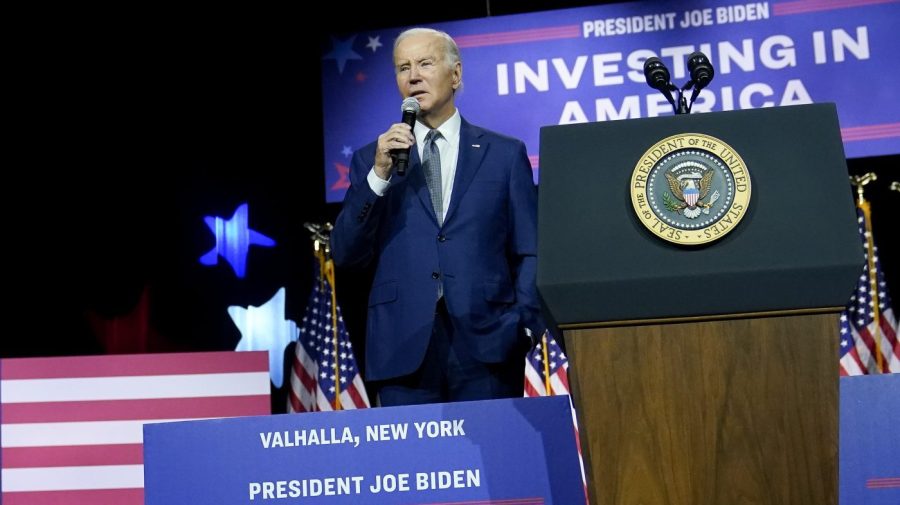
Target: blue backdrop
[870, 441]
[526, 71]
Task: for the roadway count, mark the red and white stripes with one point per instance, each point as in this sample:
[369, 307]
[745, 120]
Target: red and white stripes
[72, 428]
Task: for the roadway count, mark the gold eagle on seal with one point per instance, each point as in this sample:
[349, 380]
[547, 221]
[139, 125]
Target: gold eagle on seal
[690, 188]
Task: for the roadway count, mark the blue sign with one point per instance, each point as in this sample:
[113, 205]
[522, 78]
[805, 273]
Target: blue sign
[520, 451]
[870, 441]
[526, 71]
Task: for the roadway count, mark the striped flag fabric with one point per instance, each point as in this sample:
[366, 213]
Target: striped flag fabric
[868, 326]
[71, 429]
[324, 375]
[546, 369]
[547, 374]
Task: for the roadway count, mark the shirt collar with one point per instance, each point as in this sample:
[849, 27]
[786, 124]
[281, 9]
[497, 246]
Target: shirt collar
[449, 129]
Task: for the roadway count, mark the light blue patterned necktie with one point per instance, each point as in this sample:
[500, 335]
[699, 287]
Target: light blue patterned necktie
[431, 163]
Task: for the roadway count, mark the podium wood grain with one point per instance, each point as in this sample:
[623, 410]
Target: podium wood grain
[732, 412]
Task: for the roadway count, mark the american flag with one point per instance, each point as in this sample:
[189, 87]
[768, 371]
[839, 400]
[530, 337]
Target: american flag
[547, 374]
[72, 428]
[324, 375]
[868, 326]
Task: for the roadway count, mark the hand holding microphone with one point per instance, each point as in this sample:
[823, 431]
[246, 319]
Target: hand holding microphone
[410, 108]
[394, 144]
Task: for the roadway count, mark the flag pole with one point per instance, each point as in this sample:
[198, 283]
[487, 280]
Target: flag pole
[322, 234]
[329, 278]
[320, 256]
[860, 182]
[873, 284]
[546, 363]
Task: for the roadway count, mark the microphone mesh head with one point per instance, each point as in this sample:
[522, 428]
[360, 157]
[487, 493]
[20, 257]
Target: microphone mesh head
[410, 105]
[700, 68]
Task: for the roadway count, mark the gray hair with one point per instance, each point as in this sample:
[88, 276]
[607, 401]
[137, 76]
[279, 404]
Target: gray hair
[451, 50]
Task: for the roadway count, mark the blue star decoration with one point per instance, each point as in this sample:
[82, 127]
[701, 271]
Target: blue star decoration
[233, 240]
[342, 51]
[347, 151]
[265, 328]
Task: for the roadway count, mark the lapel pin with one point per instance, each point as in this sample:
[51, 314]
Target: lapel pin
[476, 145]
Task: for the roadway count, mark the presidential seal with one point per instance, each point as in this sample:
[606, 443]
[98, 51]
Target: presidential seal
[690, 189]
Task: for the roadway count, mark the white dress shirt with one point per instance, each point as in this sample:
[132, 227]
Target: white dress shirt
[448, 145]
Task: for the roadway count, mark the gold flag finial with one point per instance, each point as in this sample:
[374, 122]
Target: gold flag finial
[320, 234]
[860, 182]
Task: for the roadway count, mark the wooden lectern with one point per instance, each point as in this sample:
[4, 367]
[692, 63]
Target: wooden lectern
[703, 375]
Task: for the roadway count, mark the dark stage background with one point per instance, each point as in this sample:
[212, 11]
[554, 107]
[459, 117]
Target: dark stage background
[141, 122]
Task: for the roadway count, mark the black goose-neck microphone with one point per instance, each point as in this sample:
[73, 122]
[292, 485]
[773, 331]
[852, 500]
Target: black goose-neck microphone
[657, 76]
[701, 71]
[410, 108]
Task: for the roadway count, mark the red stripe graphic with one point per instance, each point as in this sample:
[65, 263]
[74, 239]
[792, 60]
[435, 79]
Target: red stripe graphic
[802, 6]
[511, 501]
[883, 483]
[91, 497]
[79, 455]
[869, 132]
[133, 365]
[124, 410]
[519, 36]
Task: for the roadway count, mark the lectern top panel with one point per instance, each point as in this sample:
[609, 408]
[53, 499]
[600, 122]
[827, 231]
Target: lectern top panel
[795, 247]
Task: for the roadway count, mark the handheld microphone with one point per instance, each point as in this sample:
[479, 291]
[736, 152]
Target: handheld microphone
[657, 76]
[410, 109]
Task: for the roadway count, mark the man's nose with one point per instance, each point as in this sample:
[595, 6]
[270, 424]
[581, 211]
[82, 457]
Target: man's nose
[413, 73]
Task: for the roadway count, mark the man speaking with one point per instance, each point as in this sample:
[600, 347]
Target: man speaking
[453, 238]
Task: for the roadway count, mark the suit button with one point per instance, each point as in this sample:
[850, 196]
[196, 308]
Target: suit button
[442, 238]
[435, 275]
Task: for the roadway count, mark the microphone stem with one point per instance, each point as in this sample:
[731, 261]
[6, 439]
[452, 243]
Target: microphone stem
[682, 104]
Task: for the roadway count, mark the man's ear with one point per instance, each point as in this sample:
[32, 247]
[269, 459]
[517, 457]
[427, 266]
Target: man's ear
[457, 75]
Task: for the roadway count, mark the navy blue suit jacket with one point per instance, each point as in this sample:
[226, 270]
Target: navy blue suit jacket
[484, 253]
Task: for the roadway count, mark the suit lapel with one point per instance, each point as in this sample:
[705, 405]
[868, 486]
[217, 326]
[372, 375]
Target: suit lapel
[471, 154]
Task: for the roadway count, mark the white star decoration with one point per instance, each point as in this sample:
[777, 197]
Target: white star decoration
[265, 328]
[374, 43]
